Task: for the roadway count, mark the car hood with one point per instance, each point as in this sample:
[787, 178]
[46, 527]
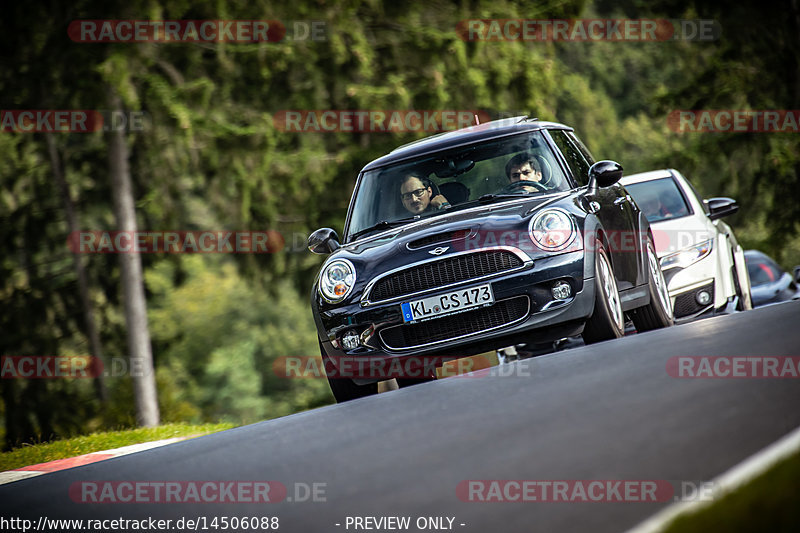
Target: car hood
[679, 233]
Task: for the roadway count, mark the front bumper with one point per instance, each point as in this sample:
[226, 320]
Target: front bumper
[524, 311]
[687, 305]
[686, 283]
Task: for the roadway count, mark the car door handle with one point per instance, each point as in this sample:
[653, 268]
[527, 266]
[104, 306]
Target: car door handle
[621, 200]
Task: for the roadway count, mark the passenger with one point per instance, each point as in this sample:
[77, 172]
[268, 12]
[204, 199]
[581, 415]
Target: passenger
[417, 196]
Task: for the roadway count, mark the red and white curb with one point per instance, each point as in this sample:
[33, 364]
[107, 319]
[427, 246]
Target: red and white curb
[94, 457]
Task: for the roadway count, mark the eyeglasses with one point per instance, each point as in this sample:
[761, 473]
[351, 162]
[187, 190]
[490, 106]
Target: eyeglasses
[518, 175]
[416, 194]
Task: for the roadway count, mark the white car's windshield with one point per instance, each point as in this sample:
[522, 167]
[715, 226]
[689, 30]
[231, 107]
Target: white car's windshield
[514, 166]
[659, 199]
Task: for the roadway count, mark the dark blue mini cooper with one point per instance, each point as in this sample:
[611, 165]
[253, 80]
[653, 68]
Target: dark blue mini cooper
[473, 240]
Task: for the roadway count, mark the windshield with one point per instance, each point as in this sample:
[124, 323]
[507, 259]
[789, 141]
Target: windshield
[659, 199]
[516, 166]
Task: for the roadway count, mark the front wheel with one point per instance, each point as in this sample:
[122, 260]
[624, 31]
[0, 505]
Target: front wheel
[607, 320]
[344, 389]
[658, 313]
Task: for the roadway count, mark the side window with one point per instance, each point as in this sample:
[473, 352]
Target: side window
[575, 159]
[582, 147]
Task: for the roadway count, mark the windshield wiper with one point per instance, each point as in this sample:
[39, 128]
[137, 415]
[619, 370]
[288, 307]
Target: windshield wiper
[487, 199]
[383, 224]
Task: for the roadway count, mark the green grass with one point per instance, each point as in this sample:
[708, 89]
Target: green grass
[770, 502]
[97, 442]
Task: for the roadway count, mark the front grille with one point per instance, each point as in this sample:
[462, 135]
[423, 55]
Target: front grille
[501, 313]
[444, 272]
[686, 304]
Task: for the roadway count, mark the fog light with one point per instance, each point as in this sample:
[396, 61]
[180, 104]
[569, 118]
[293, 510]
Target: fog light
[351, 340]
[561, 290]
[703, 297]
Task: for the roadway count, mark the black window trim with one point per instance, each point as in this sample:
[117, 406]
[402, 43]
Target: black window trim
[575, 183]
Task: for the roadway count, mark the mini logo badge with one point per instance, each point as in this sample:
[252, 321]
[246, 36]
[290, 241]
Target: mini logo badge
[439, 250]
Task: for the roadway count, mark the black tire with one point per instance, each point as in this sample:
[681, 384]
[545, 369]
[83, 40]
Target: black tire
[607, 321]
[409, 382]
[344, 389]
[658, 313]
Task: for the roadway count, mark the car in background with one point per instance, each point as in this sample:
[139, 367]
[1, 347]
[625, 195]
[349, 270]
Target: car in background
[770, 283]
[702, 261]
[506, 260]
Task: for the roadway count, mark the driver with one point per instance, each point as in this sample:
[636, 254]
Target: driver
[417, 196]
[652, 207]
[522, 168]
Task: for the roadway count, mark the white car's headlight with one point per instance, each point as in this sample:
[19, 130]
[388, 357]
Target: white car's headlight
[336, 280]
[552, 229]
[687, 256]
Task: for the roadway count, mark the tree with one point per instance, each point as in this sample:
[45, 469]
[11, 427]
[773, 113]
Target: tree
[140, 351]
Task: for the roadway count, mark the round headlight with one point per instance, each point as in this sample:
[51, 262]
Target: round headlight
[552, 230]
[337, 280]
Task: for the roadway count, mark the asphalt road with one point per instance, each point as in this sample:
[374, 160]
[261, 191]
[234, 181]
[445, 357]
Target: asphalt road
[604, 412]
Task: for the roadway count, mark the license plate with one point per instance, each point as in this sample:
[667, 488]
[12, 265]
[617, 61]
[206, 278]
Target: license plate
[447, 304]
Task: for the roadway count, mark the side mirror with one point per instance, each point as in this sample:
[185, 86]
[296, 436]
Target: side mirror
[604, 174]
[323, 241]
[797, 274]
[721, 207]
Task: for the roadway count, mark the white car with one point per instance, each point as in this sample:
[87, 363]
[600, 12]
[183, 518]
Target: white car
[702, 262]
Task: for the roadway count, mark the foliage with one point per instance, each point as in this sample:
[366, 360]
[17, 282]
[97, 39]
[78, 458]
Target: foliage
[767, 503]
[62, 449]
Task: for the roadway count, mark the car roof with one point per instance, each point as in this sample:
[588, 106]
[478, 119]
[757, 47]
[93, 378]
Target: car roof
[452, 139]
[647, 176]
[757, 254]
